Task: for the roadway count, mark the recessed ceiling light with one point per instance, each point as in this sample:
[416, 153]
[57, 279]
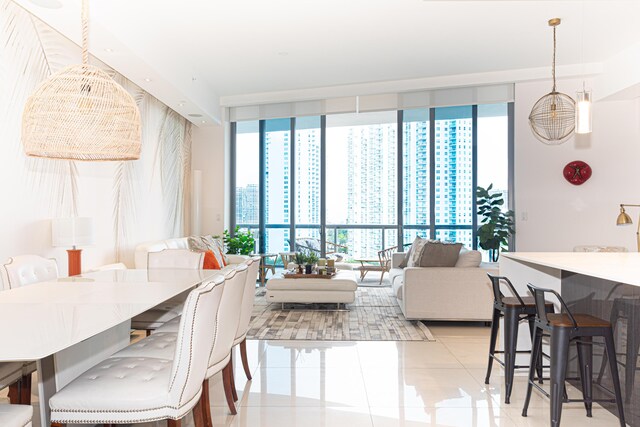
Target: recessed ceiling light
[181, 104]
[147, 79]
[108, 50]
[204, 121]
[195, 115]
[49, 4]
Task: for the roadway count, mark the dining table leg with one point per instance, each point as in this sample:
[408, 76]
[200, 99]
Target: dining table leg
[46, 387]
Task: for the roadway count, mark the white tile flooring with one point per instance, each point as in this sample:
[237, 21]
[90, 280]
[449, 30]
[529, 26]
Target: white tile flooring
[383, 384]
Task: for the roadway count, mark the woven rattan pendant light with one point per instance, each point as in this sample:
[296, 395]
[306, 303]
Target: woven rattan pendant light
[80, 113]
[552, 118]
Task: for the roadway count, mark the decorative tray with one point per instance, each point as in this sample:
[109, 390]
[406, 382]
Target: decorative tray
[308, 276]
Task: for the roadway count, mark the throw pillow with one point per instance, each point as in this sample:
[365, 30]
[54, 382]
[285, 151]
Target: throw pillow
[407, 255]
[468, 258]
[210, 261]
[197, 244]
[215, 244]
[439, 254]
[415, 252]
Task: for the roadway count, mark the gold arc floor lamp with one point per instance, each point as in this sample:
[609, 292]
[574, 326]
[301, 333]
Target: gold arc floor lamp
[625, 219]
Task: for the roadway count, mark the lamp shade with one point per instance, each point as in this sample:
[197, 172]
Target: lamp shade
[623, 218]
[73, 231]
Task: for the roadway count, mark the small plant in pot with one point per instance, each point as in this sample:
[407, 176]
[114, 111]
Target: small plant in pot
[497, 225]
[312, 259]
[300, 259]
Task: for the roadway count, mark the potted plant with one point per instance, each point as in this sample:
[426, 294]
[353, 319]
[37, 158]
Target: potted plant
[301, 259]
[312, 259]
[241, 243]
[497, 224]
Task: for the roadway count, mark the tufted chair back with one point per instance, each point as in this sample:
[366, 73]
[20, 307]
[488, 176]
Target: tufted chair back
[228, 318]
[196, 335]
[248, 298]
[175, 258]
[27, 269]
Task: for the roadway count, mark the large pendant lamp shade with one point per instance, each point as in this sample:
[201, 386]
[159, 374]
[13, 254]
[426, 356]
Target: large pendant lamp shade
[80, 113]
[552, 117]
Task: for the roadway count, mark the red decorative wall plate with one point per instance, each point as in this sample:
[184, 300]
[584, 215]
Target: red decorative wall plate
[577, 172]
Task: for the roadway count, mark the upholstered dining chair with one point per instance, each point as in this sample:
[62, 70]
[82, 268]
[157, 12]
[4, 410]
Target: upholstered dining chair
[248, 298]
[124, 390]
[19, 271]
[163, 340]
[168, 258]
[16, 415]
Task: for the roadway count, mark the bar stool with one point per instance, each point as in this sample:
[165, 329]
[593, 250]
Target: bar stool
[629, 309]
[514, 310]
[562, 329]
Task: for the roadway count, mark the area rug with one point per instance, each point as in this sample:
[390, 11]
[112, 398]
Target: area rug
[374, 316]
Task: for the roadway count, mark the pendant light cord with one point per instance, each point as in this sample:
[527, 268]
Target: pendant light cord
[85, 32]
[553, 63]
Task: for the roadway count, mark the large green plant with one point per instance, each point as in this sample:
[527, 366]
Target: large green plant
[242, 242]
[497, 224]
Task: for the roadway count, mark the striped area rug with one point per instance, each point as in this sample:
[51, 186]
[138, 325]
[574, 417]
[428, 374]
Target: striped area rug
[374, 316]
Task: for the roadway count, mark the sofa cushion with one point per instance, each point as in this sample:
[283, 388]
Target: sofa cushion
[396, 277]
[439, 254]
[467, 258]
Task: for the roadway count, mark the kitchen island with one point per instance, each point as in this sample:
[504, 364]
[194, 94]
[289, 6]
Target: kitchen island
[606, 285]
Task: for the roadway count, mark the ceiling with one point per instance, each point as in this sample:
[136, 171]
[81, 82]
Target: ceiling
[207, 53]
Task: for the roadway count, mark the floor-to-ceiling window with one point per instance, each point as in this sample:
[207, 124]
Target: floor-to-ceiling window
[416, 169]
[307, 180]
[247, 175]
[277, 183]
[362, 181]
[369, 181]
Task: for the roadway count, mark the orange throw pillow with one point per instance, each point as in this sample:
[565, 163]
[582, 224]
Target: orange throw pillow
[210, 261]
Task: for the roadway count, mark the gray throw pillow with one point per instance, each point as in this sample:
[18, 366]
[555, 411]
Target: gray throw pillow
[439, 254]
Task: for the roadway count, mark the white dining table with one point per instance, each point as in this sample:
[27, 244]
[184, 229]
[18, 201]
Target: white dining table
[70, 324]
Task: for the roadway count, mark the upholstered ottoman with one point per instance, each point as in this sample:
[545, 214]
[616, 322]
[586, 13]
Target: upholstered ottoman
[340, 289]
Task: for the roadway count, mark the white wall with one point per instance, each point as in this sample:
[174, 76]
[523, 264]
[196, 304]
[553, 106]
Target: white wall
[130, 202]
[553, 215]
[208, 155]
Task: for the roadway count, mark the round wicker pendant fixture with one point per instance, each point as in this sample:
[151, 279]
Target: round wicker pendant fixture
[80, 113]
[552, 117]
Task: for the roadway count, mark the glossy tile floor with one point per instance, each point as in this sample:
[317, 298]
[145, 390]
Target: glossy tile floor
[311, 383]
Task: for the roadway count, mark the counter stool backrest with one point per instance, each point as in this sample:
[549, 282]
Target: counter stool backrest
[496, 285]
[539, 298]
[196, 335]
[24, 270]
[175, 258]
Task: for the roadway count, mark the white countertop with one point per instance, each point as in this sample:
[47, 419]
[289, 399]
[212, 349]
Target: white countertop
[41, 319]
[623, 267]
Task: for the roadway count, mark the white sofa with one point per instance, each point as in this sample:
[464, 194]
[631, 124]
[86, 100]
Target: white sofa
[443, 293]
[142, 251]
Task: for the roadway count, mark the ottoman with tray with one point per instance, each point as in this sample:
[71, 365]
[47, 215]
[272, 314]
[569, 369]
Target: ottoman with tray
[339, 289]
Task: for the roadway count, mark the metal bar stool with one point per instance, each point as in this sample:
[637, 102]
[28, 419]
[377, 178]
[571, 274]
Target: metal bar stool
[514, 310]
[563, 328]
[628, 309]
